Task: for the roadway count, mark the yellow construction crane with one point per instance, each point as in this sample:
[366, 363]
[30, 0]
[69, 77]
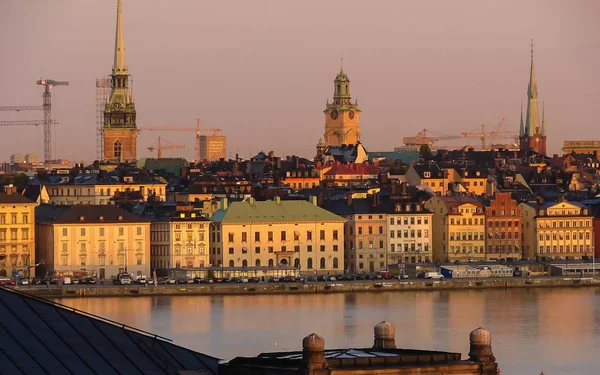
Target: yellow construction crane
[162, 147]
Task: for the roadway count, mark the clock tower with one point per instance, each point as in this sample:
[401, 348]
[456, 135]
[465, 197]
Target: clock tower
[342, 117]
[119, 131]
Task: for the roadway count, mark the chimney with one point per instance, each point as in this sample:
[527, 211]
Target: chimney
[349, 197]
[313, 354]
[404, 188]
[384, 336]
[277, 199]
[393, 189]
[313, 200]
[296, 162]
[10, 189]
[223, 204]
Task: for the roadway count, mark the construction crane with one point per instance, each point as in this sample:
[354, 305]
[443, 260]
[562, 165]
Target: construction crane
[46, 107]
[483, 135]
[162, 147]
[197, 130]
[423, 139]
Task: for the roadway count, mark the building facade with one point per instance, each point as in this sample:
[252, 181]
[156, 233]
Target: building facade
[410, 234]
[180, 241]
[17, 233]
[104, 239]
[366, 241]
[503, 228]
[277, 233]
[342, 117]
[532, 135]
[82, 191]
[459, 228]
[557, 230]
[212, 147]
[119, 131]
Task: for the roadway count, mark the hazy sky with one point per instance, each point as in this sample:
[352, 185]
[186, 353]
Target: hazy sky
[263, 70]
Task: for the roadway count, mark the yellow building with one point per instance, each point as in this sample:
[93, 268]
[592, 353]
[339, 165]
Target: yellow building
[17, 232]
[557, 230]
[180, 241]
[104, 239]
[458, 228]
[91, 189]
[304, 178]
[431, 175]
[278, 233]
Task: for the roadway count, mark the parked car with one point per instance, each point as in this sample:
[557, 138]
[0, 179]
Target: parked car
[4, 281]
[239, 280]
[400, 276]
[38, 281]
[433, 276]
[88, 280]
[253, 280]
[517, 273]
[344, 277]
[311, 278]
[274, 279]
[197, 280]
[289, 279]
[360, 276]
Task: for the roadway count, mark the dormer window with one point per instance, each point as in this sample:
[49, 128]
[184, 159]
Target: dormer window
[427, 174]
[477, 173]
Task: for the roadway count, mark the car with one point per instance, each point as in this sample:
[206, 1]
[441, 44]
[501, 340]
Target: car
[400, 276]
[289, 279]
[207, 280]
[253, 280]
[182, 281]
[38, 281]
[239, 280]
[433, 276]
[197, 280]
[311, 278]
[322, 278]
[360, 276]
[274, 279]
[88, 280]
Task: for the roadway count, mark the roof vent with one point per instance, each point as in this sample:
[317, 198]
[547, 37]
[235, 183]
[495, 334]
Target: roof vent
[120, 218]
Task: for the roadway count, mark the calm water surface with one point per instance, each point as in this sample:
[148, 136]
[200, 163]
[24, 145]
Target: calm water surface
[552, 330]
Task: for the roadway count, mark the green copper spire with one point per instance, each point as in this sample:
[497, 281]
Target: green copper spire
[532, 124]
[120, 65]
[522, 128]
[341, 87]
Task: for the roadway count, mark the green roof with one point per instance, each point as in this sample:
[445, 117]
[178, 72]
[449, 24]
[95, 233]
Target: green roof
[251, 211]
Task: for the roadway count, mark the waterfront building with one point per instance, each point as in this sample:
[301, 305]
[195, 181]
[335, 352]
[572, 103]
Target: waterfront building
[382, 358]
[581, 147]
[557, 230]
[179, 240]
[17, 232]
[410, 232]
[503, 228]
[532, 135]
[105, 239]
[458, 228]
[364, 234]
[270, 233]
[212, 148]
[119, 131]
[350, 175]
[342, 117]
[69, 341]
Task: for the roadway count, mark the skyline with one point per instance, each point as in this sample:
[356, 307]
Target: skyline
[400, 91]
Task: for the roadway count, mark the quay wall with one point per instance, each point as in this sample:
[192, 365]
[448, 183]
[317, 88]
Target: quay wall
[298, 288]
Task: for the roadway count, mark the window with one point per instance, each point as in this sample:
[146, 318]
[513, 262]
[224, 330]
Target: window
[270, 236]
[335, 235]
[139, 231]
[64, 260]
[13, 219]
[83, 231]
[309, 236]
[359, 230]
[257, 236]
[335, 263]
[25, 219]
[65, 247]
[257, 250]
[309, 248]
[230, 237]
[101, 231]
[370, 230]
[270, 249]
[322, 263]
[322, 235]
[244, 237]
[335, 247]
[309, 263]
[121, 231]
[391, 221]
[117, 149]
[322, 248]
[231, 250]
[283, 235]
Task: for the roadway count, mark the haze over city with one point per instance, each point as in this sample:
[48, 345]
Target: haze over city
[262, 71]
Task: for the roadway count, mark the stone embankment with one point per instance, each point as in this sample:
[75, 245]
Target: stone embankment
[298, 288]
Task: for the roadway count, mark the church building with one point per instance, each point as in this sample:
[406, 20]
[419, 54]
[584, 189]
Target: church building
[342, 117]
[119, 131]
[532, 135]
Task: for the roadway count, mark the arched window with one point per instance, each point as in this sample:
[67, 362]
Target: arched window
[231, 263]
[309, 263]
[339, 89]
[244, 263]
[118, 149]
[322, 265]
[270, 262]
[297, 263]
[284, 262]
[335, 263]
[257, 263]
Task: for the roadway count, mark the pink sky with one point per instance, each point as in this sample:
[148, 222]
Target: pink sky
[262, 70]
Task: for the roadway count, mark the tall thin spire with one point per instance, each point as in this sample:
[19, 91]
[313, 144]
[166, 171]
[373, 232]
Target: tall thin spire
[522, 128]
[120, 65]
[532, 123]
[342, 65]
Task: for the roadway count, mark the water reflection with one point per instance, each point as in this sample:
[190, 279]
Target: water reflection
[555, 330]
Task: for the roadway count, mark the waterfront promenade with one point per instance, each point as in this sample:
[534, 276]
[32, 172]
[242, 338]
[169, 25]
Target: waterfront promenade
[306, 288]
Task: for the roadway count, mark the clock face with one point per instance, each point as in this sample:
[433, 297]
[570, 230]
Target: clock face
[351, 114]
[334, 114]
[117, 106]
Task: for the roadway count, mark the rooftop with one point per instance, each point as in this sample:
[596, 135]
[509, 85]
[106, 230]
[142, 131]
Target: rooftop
[84, 213]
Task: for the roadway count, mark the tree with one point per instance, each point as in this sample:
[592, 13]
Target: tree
[425, 152]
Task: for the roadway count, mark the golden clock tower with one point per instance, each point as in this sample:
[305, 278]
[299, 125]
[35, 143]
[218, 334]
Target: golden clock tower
[342, 118]
[119, 131]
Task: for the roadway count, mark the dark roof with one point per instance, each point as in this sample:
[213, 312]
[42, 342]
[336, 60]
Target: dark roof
[90, 214]
[14, 198]
[42, 337]
[32, 192]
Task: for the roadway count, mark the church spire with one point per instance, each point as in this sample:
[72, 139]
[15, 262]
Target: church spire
[532, 124]
[522, 127]
[119, 66]
[543, 130]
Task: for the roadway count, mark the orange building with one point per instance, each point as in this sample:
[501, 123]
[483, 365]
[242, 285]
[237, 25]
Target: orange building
[503, 228]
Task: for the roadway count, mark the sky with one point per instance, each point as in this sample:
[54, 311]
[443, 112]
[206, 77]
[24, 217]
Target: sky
[263, 70]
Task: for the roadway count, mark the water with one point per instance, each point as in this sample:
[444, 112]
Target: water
[552, 330]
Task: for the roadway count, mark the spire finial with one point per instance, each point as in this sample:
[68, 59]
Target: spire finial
[342, 65]
[532, 45]
[522, 127]
[119, 66]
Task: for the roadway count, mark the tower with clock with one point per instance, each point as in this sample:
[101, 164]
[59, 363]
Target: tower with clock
[342, 117]
[119, 132]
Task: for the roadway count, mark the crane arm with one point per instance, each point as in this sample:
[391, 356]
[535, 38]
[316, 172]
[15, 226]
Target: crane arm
[25, 123]
[19, 108]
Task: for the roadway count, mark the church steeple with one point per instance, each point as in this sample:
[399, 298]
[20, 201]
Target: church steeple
[120, 65]
[532, 120]
[543, 131]
[341, 87]
[522, 127]
[342, 117]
